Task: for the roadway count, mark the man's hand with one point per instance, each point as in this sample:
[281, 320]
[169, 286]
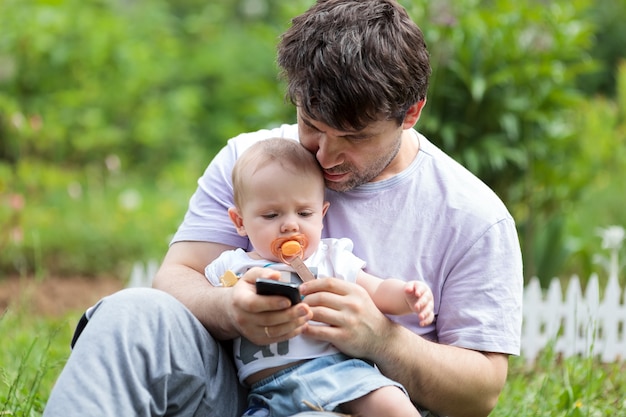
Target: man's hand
[355, 324]
[265, 319]
[232, 311]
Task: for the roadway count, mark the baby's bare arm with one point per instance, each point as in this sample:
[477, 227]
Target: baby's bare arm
[393, 296]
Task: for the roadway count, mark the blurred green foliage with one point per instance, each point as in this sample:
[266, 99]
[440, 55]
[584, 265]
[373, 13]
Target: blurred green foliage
[151, 81]
[608, 49]
[109, 110]
[602, 132]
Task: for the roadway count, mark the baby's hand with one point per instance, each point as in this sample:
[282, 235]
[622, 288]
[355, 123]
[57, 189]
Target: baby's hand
[419, 297]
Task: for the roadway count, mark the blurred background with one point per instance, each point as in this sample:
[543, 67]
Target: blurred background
[111, 109]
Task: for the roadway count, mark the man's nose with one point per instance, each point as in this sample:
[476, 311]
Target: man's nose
[327, 152]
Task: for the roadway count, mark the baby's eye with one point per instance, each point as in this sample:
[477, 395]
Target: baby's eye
[305, 214]
[269, 216]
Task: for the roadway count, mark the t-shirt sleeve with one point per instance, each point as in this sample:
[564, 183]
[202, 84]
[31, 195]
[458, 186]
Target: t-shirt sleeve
[207, 218]
[213, 271]
[481, 300]
[345, 263]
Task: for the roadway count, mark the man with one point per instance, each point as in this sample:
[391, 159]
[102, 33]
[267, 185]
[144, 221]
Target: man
[357, 72]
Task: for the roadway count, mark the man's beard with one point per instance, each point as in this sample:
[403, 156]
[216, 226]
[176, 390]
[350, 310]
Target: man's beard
[357, 178]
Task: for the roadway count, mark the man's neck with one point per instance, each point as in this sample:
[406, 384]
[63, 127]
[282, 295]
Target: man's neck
[406, 155]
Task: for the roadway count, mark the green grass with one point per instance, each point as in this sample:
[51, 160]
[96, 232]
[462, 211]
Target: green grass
[34, 349]
[32, 353]
[572, 387]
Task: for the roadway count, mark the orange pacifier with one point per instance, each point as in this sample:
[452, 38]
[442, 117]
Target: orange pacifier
[288, 248]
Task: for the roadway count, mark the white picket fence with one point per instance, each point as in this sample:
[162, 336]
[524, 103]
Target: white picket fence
[579, 323]
[575, 322]
[142, 274]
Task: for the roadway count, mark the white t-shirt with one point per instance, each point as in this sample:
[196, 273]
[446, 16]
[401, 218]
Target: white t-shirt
[434, 221]
[333, 258]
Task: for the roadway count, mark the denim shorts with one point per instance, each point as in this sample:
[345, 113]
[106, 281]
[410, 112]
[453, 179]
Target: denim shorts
[324, 382]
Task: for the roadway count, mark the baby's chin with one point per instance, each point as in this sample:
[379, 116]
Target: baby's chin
[263, 256]
[270, 257]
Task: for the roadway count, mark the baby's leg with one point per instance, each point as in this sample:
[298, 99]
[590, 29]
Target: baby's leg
[387, 401]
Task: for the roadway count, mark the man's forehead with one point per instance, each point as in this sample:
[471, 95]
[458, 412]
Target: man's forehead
[368, 130]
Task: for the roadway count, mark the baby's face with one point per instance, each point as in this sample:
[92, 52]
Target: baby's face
[279, 204]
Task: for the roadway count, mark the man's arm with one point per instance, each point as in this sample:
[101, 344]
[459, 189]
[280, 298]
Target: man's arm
[227, 312]
[444, 379]
[449, 380]
[182, 275]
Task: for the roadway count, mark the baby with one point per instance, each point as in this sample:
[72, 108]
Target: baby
[279, 205]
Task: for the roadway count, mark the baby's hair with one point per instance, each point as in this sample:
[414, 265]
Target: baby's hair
[292, 157]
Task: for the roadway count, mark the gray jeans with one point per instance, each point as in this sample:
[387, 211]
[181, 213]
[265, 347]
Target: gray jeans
[143, 353]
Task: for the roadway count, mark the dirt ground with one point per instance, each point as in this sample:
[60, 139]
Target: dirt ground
[54, 296]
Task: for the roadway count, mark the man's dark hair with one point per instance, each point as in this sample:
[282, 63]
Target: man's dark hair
[351, 62]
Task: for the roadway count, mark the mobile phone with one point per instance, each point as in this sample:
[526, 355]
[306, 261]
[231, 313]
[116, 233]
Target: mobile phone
[286, 289]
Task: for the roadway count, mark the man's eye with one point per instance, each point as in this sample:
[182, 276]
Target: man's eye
[310, 127]
[356, 138]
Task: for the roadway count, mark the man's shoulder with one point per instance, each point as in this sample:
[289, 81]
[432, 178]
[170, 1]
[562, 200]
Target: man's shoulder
[457, 186]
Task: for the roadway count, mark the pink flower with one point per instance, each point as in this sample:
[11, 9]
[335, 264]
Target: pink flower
[16, 201]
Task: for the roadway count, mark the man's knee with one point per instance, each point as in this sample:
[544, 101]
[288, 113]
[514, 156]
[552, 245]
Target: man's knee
[141, 299]
[134, 310]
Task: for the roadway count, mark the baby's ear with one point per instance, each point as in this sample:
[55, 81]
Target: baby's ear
[235, 217]
[325, 208]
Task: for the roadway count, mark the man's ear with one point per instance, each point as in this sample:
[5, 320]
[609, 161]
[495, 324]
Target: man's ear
[235, 217]
[413, 114]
